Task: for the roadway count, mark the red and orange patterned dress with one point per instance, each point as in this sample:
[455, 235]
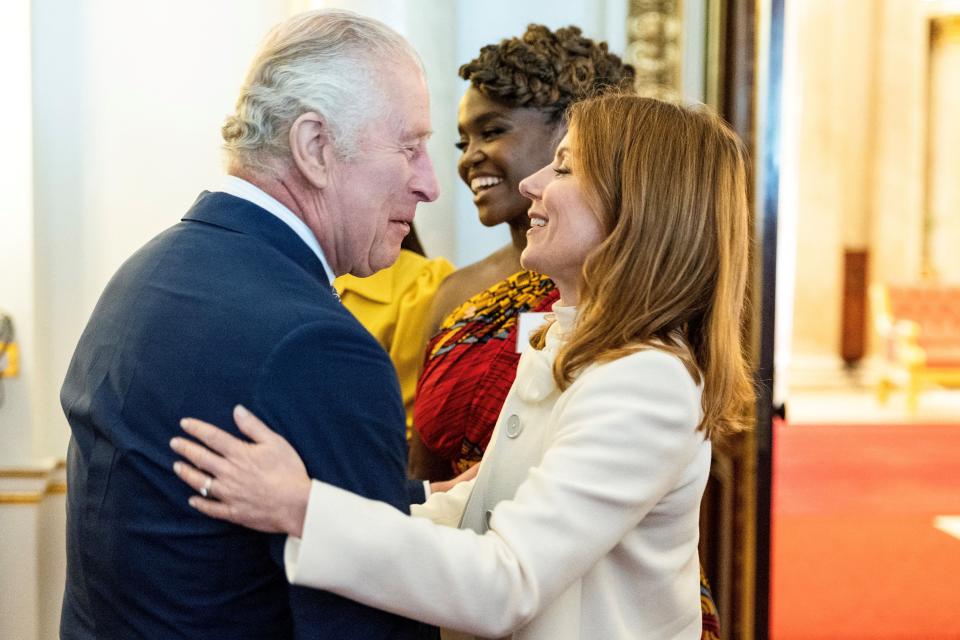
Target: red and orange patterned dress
[470, 366]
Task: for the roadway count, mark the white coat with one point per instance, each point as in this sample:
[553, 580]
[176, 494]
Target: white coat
[582, 522]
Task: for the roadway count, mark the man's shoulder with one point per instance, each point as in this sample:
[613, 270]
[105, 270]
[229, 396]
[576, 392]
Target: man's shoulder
[231, 287]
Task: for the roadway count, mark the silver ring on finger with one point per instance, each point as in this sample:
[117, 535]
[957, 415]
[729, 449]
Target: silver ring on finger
[207, 489]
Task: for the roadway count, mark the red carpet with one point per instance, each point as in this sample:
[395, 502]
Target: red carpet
[855, 553]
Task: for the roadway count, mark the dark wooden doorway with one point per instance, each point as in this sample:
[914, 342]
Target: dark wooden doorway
[744, 78]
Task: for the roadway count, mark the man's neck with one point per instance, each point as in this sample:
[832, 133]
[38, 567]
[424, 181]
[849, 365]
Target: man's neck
[304, 205]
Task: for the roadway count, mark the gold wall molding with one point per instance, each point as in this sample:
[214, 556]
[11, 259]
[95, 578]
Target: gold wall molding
[655, 47]
[24, 473]
[20, 497]
[29, 483]
[945, 30]
[56, 488]
[38, 469]
[33, 556]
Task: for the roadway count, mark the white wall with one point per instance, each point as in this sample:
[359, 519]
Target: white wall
[787, 221]
[16, 226]
[943, 139]
[129, 99]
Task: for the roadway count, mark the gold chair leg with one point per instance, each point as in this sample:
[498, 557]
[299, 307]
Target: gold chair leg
[913, 393]
[883, 390]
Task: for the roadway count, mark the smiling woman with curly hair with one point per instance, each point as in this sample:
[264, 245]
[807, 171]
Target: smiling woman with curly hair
[510, 121]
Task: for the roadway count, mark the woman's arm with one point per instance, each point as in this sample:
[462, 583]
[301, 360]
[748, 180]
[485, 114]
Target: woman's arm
[623, 439]
[445, 506]
[263, 485]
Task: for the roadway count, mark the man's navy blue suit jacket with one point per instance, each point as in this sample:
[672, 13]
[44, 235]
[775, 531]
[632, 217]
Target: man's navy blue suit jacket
[229, 306]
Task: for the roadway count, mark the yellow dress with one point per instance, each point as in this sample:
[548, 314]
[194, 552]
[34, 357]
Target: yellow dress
[392, 304]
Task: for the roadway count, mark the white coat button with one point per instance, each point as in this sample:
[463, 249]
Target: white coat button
[514, 426]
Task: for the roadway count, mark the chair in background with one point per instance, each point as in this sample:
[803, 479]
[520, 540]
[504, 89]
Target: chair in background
[919, 331]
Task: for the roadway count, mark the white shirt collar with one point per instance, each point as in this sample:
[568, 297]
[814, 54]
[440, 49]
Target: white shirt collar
[240, 188]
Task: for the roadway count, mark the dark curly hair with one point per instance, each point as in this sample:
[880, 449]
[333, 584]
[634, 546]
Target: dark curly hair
[546, 70]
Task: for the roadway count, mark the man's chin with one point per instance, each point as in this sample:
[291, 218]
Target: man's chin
[377, 263]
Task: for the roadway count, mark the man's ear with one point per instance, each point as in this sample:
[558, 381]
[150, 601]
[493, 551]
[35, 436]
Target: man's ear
[311, 147]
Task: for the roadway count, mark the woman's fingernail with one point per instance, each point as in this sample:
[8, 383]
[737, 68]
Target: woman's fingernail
[240, 411]
[177, 466]
[193, 502]
[175, 444]
[186, 425]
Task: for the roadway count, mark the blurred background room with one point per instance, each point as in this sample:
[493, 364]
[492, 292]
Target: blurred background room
[837, 517]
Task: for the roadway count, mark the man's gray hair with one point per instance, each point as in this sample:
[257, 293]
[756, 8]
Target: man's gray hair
[323, 61]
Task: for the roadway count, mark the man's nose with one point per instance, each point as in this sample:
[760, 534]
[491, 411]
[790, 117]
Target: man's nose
[425, 180]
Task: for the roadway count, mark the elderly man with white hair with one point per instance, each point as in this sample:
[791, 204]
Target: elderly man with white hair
[327, 162]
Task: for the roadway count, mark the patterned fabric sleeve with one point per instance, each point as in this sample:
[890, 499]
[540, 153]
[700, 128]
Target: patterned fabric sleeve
[708, 610]
[470, 365]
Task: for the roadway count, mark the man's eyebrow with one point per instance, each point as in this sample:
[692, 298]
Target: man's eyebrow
[418, 135]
